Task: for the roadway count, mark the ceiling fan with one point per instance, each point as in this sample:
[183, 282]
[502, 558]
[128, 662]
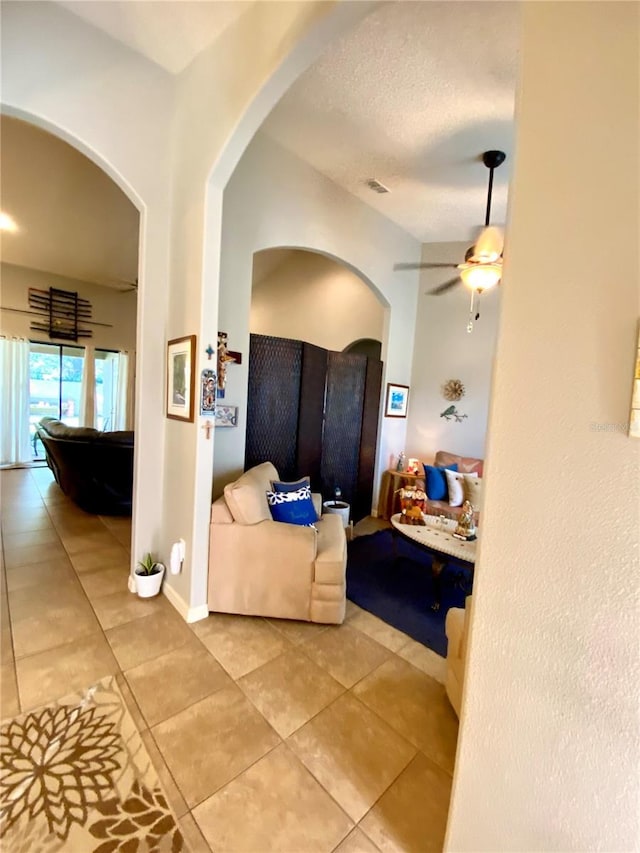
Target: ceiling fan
[482, 267]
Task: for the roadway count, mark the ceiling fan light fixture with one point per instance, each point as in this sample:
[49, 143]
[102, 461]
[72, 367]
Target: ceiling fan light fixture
[480, 276]
[488, 247]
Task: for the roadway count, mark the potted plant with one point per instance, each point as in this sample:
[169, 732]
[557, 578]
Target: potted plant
[149, 575]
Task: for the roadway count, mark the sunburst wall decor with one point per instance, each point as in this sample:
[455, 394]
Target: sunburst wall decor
[453, 389]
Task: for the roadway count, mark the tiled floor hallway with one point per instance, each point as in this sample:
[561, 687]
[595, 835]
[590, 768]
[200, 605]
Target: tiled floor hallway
[267, 734]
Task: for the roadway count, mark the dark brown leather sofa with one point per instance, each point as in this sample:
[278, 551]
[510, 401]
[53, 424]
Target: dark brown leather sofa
[94, 469]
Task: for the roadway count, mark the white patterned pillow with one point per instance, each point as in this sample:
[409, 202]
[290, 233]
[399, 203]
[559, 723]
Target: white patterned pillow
[455, 485]
[293, 507]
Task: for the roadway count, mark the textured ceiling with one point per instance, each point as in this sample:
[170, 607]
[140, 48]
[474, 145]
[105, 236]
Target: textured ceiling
[73, 219]
[412, 96]
[171, 34]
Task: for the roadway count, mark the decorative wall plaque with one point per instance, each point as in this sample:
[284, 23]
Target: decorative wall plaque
[62, 312]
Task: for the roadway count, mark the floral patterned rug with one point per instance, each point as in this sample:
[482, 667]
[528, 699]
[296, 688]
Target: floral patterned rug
[76, 776]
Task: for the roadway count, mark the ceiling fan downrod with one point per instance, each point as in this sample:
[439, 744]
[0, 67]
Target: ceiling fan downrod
[491, 159]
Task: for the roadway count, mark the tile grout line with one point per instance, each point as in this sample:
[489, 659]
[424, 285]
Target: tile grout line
[185, 707]
[299, 646]
[378, 715]
[283, 741]
[346, 690]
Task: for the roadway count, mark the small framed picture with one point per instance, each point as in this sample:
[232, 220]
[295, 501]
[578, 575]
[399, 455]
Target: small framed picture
[226, 416]
[208, 381]
[181, 376]
[397, 401]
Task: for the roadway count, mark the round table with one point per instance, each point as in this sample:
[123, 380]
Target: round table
[436, 536]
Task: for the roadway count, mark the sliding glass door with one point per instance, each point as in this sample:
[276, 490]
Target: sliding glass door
[55, 386]
[107, 365]
[56, 374]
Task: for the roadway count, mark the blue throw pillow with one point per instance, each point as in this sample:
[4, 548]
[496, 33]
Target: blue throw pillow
[290, 487]
[293, 507]
[436, 482]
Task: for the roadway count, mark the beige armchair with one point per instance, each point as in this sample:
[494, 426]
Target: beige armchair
[456, 629]
[261, 567]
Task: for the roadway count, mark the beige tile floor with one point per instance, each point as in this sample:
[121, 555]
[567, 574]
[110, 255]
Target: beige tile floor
[267, 734]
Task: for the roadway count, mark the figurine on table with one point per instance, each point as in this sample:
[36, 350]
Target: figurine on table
[412, 503]
[466, 528]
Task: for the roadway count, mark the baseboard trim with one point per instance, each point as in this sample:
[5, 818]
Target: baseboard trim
[189, 614]
[195, 614]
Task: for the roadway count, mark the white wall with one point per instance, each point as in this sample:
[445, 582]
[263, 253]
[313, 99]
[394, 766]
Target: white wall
[158, 137]
[116, 309]
[215, 94]
[549, 752]
[445, 350]
[274, 199]
[310, 297]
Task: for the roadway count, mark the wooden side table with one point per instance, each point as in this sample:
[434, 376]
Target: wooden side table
[392, 481]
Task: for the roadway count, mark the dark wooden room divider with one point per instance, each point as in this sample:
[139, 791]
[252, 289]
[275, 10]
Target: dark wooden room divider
[314, 412]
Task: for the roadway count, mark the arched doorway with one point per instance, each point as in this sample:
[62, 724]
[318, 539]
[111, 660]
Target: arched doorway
[365, 346]
[312, 409]
[81, 225]
[76, 235]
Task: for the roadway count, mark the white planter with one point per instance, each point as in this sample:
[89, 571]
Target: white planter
[149, 585]
[340, 508]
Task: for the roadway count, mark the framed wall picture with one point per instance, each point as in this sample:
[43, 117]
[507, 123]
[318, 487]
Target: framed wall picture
[208, 380]
[396, 401]
[181, 375]
[226, 416]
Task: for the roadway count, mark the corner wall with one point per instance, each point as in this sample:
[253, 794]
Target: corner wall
[273, 199]
[222, 98]
[549, 749]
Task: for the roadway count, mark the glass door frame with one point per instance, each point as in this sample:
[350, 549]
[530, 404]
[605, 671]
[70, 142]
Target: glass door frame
[60, 347]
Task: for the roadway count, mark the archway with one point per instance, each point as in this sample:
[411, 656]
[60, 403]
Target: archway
[365, 346]
[76, 234]
[306, 306]
[296, 237]
[146, 517]
[79, 227]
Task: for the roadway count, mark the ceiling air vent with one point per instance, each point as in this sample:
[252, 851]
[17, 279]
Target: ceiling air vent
[376, 186]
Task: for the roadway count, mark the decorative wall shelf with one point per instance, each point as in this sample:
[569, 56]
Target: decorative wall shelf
[62, 312]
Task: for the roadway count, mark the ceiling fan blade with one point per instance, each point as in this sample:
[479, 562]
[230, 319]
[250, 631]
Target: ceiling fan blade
[424, 266]
[444, 287]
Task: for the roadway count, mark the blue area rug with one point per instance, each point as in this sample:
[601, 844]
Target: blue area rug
[398, 587]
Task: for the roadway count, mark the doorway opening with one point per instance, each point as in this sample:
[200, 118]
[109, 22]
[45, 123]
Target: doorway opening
[367, 347]
[76, 234]
[324, 398]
